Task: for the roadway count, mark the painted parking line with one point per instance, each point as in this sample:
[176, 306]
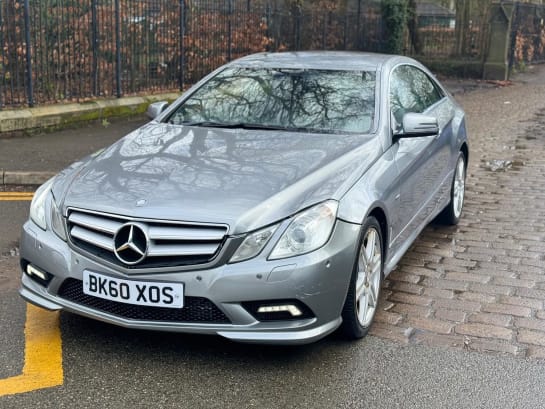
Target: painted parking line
[16, 196]
[43, 354]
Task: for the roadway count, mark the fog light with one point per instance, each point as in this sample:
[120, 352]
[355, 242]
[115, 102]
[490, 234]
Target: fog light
[292, 309]
[278, 310]
[33, 271]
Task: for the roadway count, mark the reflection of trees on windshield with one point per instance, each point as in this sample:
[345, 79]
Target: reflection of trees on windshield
[321, 100]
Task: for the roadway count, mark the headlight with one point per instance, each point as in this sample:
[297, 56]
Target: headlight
[37, 207]
[308, 231]
[253, 244]
[57, 224]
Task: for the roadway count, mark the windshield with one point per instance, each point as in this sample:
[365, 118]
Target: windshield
[291, 99]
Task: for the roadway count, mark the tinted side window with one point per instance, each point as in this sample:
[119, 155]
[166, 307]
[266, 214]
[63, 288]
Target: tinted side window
[411, 90]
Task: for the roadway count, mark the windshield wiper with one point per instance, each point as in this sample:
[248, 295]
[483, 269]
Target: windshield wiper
[235, 125]
[210, 124]
[244, 125]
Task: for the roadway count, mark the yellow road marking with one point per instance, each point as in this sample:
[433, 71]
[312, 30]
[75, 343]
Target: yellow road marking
[15, 196]
[43, 354]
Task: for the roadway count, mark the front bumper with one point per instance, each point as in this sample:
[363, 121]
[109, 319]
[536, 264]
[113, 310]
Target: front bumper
[319, 280]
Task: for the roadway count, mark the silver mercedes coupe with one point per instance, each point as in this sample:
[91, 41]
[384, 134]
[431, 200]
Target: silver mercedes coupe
[265, 205]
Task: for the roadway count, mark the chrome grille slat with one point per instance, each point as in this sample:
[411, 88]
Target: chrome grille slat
[181, 249]
[185, 233]
[95, 223]
[171, 243]
[97, 239]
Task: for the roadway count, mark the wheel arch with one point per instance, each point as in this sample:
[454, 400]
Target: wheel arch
[379, 214]
[465, 150]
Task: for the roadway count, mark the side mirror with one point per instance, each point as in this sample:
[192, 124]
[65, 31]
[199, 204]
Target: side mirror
[156, 108]
[416, 125]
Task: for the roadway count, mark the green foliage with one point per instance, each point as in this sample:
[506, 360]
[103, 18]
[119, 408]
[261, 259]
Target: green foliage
[395, 15]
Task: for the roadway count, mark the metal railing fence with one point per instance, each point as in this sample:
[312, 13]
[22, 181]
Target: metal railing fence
[77, 50]
[440, 37]
[527, 35]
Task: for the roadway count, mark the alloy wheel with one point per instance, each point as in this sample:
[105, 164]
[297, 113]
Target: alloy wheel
[459, 188]
[368, 277]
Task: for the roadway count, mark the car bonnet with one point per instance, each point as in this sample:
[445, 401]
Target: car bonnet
[243, 178]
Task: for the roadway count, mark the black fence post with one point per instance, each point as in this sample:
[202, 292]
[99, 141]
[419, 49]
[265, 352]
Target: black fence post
[94, 44]
[345, 30]
[515, 26]
[324, 29]
[278, 20]
[358, 27]
[117, 50]
[182, 45]
[30, 85]
[298, 18]
[268, 20]
[230, 30]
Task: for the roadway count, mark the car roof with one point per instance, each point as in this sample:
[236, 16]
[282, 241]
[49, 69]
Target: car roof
[333, 60]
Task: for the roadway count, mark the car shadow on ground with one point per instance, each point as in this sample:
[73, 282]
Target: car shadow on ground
[111, 339]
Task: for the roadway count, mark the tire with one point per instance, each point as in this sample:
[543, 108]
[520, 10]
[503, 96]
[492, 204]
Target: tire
[364, 290]
[452, 213]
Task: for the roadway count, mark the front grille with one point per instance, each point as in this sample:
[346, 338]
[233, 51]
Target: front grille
[170, 244]
[195, 310]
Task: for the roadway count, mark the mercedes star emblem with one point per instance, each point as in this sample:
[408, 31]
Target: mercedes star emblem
[131, 243]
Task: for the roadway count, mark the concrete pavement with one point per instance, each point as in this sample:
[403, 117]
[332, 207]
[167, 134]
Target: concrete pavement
[31, 160]
[25, 152]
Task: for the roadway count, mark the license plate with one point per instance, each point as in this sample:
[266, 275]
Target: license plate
[155, 294]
